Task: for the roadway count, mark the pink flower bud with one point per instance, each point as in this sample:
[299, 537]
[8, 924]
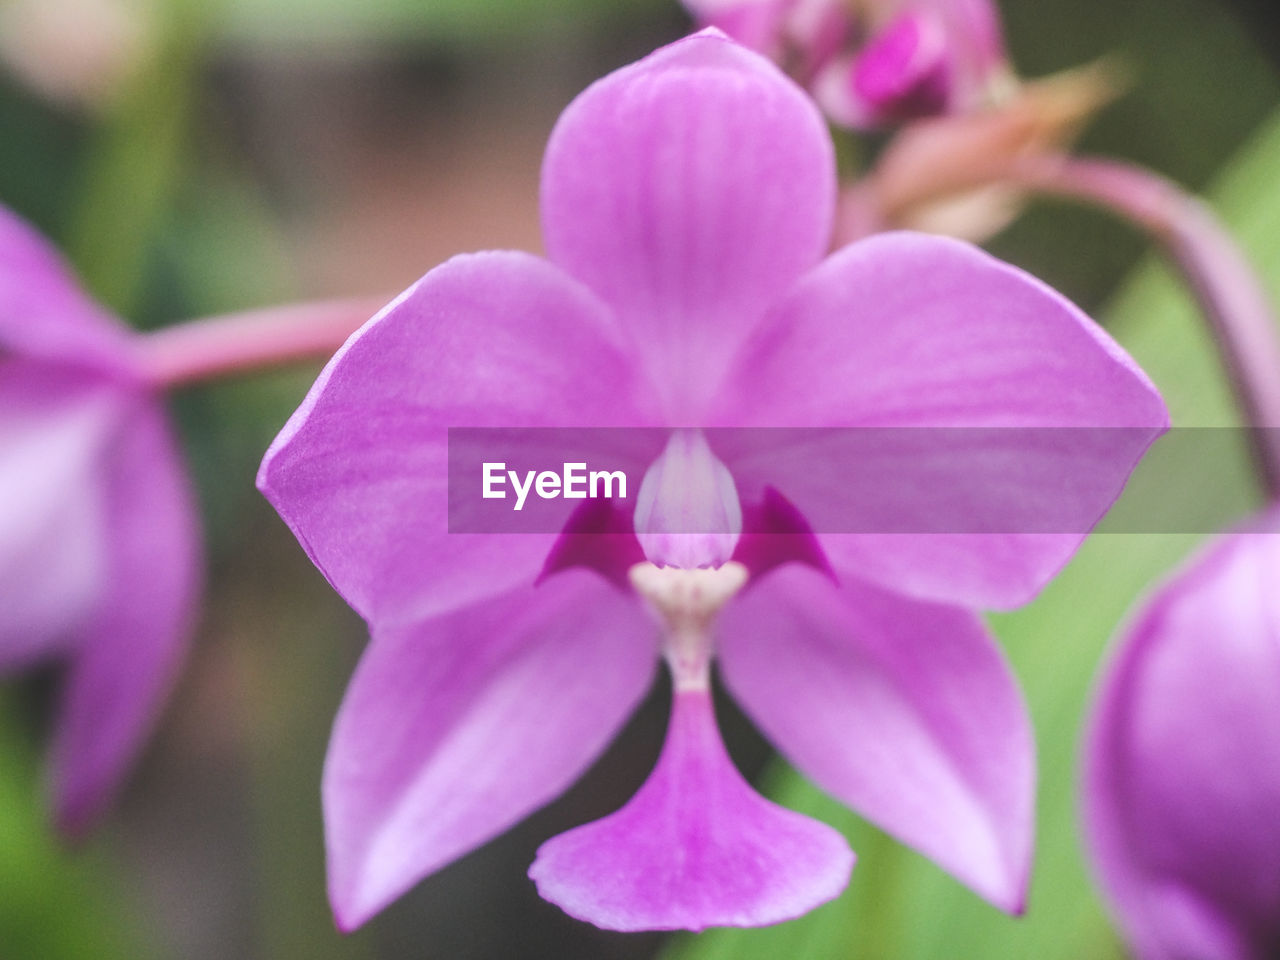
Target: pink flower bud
[904, 73]
[1182, 789]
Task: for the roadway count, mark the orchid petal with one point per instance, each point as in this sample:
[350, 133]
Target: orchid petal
[55, 426]
[696, 847]
[651, 197]
[913, 331]
[43, 312]
[454, 729]
[905, 711]
[360, 472]
[1182, 769]
[124, 664]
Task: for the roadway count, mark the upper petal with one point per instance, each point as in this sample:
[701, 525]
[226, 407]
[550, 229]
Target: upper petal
[125, 660]
[689, 190]
[360, 472]
[43, 311]
[913, 331]
[454, 729]
[1182, 768]
[905, 711]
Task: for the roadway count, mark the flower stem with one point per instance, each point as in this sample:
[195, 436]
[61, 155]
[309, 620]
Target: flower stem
[1220, 277]
[238, 343]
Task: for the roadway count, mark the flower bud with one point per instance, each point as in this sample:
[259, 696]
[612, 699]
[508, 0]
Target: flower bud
[1182, 778]
[904, 73]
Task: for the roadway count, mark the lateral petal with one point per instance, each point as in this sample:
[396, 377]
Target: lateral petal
[1015, 404]
[360, 472]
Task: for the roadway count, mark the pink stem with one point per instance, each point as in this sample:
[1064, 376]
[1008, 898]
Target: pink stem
[1220, 277]
[238, 343]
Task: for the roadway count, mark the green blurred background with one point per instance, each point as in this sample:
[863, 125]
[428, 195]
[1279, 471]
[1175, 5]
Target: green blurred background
[197, 157]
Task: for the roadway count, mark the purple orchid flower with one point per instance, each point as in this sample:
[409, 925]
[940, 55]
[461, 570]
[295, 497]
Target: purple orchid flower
[99, 540]
[1182, 770]
[687, 202]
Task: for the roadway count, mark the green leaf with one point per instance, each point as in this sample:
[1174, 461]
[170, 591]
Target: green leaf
[58, 903]
[899, 906]
[135, 165]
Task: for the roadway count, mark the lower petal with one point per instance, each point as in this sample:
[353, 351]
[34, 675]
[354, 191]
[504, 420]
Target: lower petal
[54, 426]
[125, 662]
[696, 847]
[904, 711]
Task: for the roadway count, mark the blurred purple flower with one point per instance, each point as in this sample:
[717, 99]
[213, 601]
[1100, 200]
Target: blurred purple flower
[1182, 777]
[877, 63]
[98, 531]
[920, 58]
[687, 203]
[801, 35]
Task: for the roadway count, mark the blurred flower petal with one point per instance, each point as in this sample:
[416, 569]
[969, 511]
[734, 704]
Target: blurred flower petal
[1182, 772]
[54, 429]
[43, 311]
[100, 542]
[136, 640]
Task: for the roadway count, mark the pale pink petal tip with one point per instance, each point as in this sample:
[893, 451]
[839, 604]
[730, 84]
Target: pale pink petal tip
[696, 847]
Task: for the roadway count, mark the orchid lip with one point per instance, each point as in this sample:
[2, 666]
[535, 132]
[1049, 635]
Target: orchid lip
[696, 846]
